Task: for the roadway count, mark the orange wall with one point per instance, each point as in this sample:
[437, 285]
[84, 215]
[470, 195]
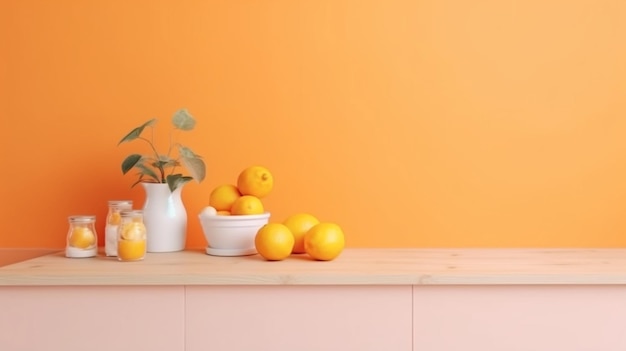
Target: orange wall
[410, 123]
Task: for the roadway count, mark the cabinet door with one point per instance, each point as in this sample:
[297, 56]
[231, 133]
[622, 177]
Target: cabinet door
[92, 318]
[298, 318]
[520, 318]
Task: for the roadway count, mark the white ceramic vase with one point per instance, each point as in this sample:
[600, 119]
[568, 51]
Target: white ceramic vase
[165, 218]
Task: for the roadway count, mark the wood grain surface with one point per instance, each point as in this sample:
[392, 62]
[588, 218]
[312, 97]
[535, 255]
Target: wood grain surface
[355, 266]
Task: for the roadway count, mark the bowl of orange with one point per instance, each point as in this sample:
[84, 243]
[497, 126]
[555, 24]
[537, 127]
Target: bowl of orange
[231, 235]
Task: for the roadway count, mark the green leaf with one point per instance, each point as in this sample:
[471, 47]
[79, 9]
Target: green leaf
[135, 133]
[183, 120]
[166, 163]
[159, 164]
[186, 152]
[176, 180]
[196, 167]
[164, 158]
[130, 162]
[147, 171]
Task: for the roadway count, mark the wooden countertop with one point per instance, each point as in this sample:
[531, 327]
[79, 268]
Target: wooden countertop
[353, 267]
[10, 256]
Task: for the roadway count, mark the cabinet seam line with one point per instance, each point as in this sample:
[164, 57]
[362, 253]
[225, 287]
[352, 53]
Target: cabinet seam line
[185, 317]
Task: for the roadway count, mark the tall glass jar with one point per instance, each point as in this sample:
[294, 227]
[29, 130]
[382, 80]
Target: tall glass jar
[113, 221]
[131, 236]
[82, 240]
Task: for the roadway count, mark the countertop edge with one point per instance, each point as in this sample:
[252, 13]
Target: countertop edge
[372, 267]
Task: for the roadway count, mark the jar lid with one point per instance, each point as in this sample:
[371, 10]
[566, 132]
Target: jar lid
[120, 202]
[130, 213]
[82, 218]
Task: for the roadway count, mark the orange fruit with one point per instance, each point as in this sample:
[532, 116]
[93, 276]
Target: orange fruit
[133, 231]
[223, 197]
[256, 181]
[115, 218]
[299, 224]
[324, 241]
[223, 213]
[247, 205]
[82, 238]
[131, 250]
[274, 241]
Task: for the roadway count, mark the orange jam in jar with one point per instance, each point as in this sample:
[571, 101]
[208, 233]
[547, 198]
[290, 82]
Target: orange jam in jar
[131, 236]
[82, 240]
[113, 221]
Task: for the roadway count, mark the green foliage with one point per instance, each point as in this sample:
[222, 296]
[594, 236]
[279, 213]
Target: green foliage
[161, 168]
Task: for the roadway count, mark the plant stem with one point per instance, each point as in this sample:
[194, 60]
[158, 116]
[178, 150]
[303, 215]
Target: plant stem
[158, 159]
[169, 150]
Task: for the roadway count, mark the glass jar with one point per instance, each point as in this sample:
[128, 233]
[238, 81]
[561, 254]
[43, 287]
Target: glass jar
[131, 236]
[82, 240]
[113, 221]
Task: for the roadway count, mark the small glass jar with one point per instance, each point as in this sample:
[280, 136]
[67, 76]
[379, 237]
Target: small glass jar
[82, 240]
[131, 236]
[113, 221]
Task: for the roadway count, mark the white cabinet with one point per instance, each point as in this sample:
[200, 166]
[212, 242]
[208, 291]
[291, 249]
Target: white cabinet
[98, 318]
[303, 318]
[519, 318]
[312, 318]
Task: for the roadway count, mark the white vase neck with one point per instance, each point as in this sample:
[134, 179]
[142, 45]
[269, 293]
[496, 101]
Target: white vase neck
[162, 188]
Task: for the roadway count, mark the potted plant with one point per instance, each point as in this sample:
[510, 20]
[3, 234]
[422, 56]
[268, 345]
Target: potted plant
[165, 216]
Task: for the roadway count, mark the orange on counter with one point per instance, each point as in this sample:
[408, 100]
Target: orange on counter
[274, 241]
[324, 241]
[299, 224]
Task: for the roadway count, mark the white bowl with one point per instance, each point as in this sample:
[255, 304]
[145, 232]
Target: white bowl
[231, 235]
